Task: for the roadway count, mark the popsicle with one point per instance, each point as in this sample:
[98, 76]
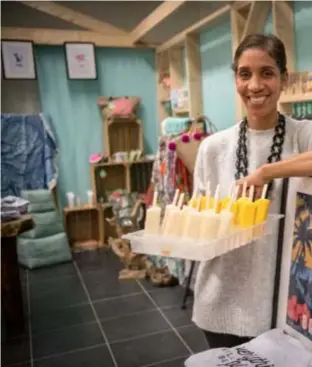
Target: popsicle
[247, 210]
[192, 222]
[226, 216]
[210, 220]
[175, 220]
[262, 210]
[262, 206]
[193, 201]
[225, 201]
[239, 204]
[206, 201]
[169, 207]
[152, 221]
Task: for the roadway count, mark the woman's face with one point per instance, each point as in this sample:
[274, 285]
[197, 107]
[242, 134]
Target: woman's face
[259, 82]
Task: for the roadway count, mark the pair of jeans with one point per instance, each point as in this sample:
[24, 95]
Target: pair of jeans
[216, 340]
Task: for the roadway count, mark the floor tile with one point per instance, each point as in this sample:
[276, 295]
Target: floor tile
[102, 259]
[177, 316]
[61, 318]
[15, 351]
[50, 272]
[94, 357]
[194, 338]
[149, 349]
[133, 326]
[168, 296]
[54, 294]
[148, 285]
[102, 284]
[176, 362]
[65, 340]
[122, 306]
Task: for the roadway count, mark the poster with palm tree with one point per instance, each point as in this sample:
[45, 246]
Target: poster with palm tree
[299, 302]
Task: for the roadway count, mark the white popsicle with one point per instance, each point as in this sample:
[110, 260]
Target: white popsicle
[210, 220]
[192, 223]
[168, 208]
[152, 221]
[175, 220]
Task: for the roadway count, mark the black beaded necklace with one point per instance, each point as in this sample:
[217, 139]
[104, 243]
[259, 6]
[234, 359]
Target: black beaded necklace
[276, 148]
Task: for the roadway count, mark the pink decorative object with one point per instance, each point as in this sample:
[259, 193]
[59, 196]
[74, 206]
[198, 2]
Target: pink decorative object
[172, 146]
[95, 158]
[197, 136]
[185, 138]
[122, 107]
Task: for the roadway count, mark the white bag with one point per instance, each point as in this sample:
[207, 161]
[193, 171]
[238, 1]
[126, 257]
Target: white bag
[271, 349]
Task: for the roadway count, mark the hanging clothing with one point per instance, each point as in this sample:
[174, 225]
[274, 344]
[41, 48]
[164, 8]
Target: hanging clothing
[169, 174]
[28, 154]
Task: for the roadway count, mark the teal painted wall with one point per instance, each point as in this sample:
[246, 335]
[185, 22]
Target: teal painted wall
[75, 117]
[217, 77]
[216, 57]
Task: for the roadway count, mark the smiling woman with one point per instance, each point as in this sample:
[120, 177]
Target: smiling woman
[233, 294]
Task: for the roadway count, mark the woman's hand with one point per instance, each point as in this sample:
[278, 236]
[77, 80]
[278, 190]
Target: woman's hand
[256, 179]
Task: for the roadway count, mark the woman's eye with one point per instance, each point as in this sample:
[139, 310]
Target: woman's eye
[267, 74]
[244, 74]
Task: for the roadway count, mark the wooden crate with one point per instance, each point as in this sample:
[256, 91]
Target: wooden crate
[122, 135]
[84, 226]
[131, 176]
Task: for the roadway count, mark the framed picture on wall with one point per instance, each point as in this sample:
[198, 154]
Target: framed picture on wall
[80, 60]
[295, 295]
[18, 59]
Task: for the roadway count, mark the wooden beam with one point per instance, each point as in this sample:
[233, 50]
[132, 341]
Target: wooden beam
[75, 17]
[258, 14]
[193, 75]
[176, 71]
[283, 26]
[238, 23]
[47, 36]
[180, 37]
[152, 20]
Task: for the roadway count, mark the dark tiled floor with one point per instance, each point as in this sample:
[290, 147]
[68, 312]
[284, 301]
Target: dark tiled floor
[80, 314]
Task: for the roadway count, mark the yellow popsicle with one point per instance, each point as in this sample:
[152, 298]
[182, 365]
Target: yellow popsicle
[262, 206]
[247, 211]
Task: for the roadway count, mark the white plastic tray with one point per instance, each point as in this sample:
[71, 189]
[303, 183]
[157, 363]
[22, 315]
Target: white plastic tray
[189, 249]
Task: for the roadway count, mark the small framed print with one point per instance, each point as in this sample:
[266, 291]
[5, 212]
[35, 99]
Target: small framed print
[18, 60]
[80, 60]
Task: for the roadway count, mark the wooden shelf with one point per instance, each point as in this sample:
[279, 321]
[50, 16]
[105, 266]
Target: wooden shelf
[131, 176]
[307, 97]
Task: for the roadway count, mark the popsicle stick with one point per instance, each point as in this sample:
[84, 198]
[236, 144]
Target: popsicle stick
[176, 196]
[208, 195]
[232, 188]
[244, 189]
[155, 198]
[264, 191]
[251, 192]
[181, 200]
[233, 197]
[216, 198]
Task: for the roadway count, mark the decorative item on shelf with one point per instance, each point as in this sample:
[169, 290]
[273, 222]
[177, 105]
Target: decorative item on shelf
[175, 125]
[98, 158]
[299, 87]
[179, 98]
[119, 107]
